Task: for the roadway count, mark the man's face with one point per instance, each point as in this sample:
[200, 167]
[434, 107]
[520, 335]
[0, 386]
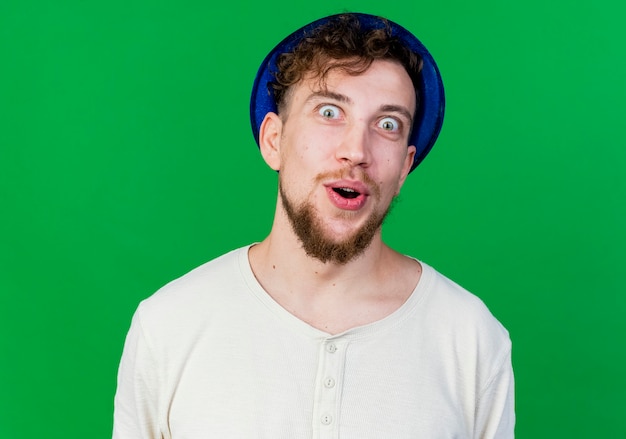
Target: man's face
[343, 157]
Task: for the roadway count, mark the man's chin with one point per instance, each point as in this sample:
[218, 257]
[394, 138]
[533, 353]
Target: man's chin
[334, 253]
[336, 246]
[330, 242]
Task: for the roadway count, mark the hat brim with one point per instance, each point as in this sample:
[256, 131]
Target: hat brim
[429, 118]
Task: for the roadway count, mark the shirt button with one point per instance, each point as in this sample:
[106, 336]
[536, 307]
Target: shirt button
[331, 347]
[329, 383]
[327, 419]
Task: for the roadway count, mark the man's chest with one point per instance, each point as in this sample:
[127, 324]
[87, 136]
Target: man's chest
[335, 389]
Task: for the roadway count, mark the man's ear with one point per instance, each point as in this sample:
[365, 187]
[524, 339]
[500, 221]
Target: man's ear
[406, 168]
[269, 140]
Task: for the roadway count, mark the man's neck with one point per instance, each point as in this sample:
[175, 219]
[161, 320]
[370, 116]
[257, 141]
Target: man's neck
[287, 261]
[329, 296]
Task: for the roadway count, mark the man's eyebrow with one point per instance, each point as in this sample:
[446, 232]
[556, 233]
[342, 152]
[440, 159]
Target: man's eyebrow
[326, 94]
[398, 109]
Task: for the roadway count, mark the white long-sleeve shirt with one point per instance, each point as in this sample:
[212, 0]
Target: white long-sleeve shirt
[212, 355]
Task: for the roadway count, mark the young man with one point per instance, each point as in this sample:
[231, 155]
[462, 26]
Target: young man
[321, 330]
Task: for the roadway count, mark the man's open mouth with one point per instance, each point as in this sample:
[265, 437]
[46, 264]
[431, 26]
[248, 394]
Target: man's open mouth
[346, 192]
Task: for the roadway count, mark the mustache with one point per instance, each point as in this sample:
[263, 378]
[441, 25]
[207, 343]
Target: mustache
[350, 174]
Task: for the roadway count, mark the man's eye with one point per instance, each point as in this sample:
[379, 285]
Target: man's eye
[389, 124]
[329, 112]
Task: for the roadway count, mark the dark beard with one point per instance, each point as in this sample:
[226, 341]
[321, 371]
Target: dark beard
[309, 228]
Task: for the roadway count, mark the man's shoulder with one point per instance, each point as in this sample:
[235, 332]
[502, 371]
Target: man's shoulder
[450, 291]
[457, 306]
[200, 285]
[172, 319]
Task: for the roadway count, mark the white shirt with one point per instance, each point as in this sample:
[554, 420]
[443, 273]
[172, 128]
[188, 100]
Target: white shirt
[212, 355]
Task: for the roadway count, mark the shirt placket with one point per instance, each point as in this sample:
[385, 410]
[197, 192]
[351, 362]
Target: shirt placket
[328, 387]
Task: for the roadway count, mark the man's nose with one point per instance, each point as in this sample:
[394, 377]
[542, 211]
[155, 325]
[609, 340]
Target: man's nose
[355, 146]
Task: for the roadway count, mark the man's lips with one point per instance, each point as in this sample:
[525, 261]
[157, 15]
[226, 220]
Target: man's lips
[348, 195]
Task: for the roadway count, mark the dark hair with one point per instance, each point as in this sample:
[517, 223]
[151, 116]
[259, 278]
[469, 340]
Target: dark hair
[340, 43]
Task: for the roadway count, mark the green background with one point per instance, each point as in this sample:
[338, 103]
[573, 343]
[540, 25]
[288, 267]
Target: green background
[126, 159]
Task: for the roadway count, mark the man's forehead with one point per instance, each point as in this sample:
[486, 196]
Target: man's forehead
[390, 78]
